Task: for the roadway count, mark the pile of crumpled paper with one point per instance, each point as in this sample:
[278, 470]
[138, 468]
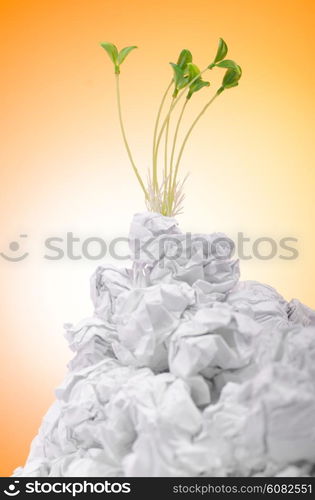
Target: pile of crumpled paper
[183, 370]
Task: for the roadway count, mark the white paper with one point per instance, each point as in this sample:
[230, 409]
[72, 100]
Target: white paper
[182, 370]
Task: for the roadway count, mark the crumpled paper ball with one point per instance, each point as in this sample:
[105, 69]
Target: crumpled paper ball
[182, 370]
[145, 320]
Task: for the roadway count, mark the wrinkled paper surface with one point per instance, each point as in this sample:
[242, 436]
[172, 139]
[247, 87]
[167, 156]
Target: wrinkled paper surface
[183, 370]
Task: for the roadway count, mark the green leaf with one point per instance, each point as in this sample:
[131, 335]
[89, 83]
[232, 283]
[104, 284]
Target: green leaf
[111, 50]
[227, 63]
[231, 77]
[193, 71]
[221, 52]
[184, 58]
[179, 78]
[178, 73]
[197, 85]
[233, 85]
[124, 52]
[182, 83]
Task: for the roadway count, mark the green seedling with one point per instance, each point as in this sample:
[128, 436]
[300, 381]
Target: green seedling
[164, 193]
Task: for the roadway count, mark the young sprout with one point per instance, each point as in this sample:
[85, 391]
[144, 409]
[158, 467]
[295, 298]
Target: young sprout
[231, 77]
[180, 80]
[221, 53]
[195, 80]
[166, 196]
[117, 59]
[180, 70]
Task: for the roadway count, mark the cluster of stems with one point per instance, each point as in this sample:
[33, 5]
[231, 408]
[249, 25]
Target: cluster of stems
[171, 188]
[165, 194]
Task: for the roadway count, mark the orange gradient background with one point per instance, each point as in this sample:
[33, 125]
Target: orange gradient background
[63, 166]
